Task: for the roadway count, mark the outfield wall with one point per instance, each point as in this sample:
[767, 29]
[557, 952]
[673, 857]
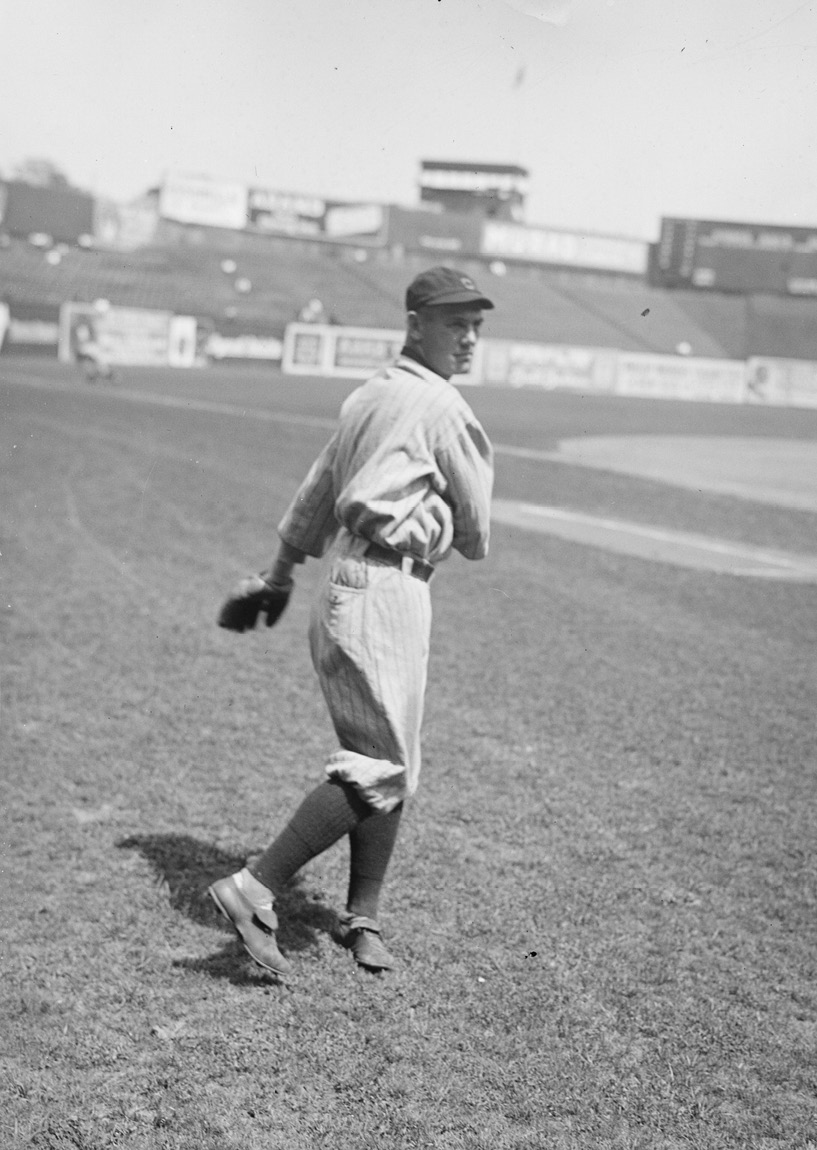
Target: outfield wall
[356, 353]
[139, 336]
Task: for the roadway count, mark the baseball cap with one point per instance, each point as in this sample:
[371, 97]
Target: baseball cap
[443, 285]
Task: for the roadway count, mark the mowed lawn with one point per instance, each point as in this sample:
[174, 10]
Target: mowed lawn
[604, 896]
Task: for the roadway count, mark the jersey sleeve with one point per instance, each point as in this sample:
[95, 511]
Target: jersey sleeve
[309, 523]
[466, 460]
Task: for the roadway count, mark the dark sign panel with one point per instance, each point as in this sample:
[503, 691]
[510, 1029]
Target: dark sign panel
[442, 233]
[63, 214]
[735, 257]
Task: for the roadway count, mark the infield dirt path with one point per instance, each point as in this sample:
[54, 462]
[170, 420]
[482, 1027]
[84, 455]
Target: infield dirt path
[781, 472]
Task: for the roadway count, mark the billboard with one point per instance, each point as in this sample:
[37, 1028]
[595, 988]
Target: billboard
[125, 227]
[444, 233]
[508, 241]
[508, 363]
[718, 255]
[30, 329]
[345, 352]
[204, 201]
[781, 382]
[680, 377]
[312, 217]
[218, 347]
[122, 335]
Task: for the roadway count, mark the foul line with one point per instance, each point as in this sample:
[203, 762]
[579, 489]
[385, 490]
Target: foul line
[657, 544]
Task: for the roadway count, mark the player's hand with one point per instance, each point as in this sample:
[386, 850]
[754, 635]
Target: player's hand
[251, 597]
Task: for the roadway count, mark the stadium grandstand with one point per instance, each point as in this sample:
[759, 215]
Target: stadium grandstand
[550, 287]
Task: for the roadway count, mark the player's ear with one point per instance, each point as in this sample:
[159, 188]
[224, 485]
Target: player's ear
[413, 325]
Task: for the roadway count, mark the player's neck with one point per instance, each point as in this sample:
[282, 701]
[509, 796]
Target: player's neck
[412, 353]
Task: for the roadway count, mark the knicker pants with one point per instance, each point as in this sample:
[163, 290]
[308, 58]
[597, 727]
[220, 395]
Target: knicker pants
[369, 639]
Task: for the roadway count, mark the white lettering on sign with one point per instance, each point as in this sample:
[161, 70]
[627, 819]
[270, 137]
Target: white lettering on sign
[472, 181]
[543, 245]
[262, 199]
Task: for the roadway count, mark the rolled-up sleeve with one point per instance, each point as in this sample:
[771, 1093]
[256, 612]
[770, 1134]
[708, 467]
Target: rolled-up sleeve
[466, 460]
[309, 522]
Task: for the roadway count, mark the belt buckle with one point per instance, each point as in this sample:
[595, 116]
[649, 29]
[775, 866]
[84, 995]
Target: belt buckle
[407, 564]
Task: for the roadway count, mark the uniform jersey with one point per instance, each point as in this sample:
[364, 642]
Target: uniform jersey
[409, 469]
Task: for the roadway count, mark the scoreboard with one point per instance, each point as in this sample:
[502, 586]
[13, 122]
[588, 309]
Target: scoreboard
[735, 257]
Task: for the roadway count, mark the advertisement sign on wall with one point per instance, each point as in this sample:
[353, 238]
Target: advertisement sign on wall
[121, 335]
[125, 227]
[349, 352]
[344, 352]
[293, 214]
[680, 377]
[352, 221]
[563, 249]
[249, 347]
[365, 351]
[285, 213]
[784, 382]
[204, 201]
[515, 364]
[357, 353]
[416, 230]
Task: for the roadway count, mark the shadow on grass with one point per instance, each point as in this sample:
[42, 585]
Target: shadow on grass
[187, 866]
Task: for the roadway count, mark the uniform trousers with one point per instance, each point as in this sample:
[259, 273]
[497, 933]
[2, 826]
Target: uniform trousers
[369, 640]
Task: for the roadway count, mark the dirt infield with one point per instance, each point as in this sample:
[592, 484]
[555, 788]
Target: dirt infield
[779, 472]
[782, 472]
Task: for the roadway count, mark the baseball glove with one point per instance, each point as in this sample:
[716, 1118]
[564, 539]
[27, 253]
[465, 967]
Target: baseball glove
[250, 598]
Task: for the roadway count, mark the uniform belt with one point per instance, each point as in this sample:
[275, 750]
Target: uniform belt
[419, 568]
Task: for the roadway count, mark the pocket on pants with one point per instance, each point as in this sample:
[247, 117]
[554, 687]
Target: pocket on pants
[348, 573]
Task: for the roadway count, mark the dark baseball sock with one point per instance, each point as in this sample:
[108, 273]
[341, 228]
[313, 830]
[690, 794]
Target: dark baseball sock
[371, 845]
[328, 813]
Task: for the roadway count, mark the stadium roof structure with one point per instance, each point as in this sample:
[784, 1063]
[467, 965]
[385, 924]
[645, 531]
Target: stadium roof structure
[474, 166]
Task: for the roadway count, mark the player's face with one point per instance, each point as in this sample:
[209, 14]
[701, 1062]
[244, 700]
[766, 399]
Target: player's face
[446, 337]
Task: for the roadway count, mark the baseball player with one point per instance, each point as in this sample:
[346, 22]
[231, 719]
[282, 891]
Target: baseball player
[406, 478]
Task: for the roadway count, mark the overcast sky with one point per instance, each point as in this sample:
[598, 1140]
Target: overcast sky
[622, 110]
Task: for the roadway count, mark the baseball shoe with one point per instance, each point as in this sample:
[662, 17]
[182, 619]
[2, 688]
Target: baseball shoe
[361, 936]
[257, 933]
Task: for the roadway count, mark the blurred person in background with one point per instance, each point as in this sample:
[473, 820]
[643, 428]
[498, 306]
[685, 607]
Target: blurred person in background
[89, 353]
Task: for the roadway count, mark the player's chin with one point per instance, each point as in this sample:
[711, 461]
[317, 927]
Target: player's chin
[462, 364]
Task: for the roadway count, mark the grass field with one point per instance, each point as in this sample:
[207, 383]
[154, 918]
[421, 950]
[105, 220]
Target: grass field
[604, 897]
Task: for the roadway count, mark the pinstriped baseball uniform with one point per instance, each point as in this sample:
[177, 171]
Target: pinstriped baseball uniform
[409, 469]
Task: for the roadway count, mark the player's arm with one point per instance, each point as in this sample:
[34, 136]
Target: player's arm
[279, 572]
[467, 464]
[309, 523]
[306, 529]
